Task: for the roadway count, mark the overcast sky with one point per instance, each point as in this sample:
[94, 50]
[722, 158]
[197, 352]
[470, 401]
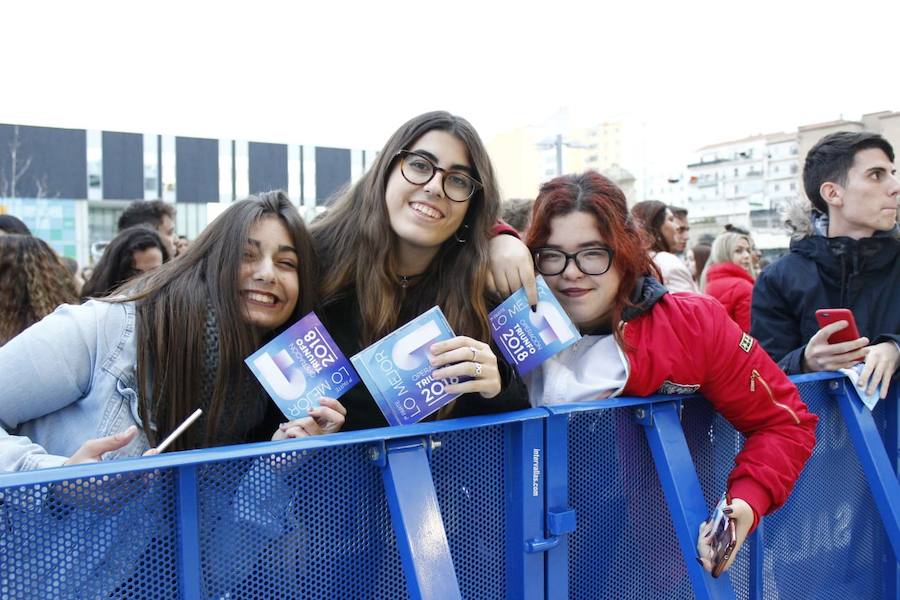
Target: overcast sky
[347, 74]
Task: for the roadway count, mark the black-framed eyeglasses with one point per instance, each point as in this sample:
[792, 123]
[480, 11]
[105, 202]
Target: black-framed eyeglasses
[590, 261]
[419, 170]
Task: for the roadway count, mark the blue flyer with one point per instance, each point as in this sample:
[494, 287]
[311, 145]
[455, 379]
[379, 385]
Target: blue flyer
[527, 338]
[396, 370]
[300, 366]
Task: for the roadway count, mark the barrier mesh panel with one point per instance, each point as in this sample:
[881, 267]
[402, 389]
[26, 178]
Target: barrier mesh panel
[469, 476]
[625, 546]
[827, 541]
[316, 524]
[714, 443]
[100, 537]
[308, 524]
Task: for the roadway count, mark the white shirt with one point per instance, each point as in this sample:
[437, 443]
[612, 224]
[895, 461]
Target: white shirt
[676, 276]
[593, 368]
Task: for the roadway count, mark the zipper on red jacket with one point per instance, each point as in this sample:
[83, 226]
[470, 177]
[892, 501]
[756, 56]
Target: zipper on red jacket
[754, 375]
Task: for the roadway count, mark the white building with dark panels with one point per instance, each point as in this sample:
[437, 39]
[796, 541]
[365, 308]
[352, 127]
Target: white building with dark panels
[743, 182]
[69, 185]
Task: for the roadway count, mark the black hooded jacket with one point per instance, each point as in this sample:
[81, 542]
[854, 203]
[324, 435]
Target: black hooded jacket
[820, 272]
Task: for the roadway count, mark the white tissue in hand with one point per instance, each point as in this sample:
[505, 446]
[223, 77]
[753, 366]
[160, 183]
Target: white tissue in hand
[870, 400]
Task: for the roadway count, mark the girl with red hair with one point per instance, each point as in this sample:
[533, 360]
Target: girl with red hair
[641, 340]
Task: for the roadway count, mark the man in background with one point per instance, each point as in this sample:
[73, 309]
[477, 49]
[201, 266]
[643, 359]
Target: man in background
[158, 215]
[682, 231]
[845, 253]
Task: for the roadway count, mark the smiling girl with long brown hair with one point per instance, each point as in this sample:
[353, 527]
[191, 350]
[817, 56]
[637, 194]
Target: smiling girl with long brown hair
[413, 233]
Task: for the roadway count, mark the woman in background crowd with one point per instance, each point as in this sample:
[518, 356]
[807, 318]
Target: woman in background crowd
[134, 251]
[728, 276]
[755, 253]
[75, 272]
[33, 282]
[10, 225]
[699, 256]
[660, 231]
[640, 340]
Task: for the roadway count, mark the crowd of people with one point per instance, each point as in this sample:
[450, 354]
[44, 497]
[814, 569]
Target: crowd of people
[162, 327]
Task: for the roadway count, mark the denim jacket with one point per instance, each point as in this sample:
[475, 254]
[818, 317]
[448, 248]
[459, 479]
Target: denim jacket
[67, 379]
[70, 378]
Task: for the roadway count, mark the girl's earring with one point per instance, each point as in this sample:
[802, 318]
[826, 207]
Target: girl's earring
[464, 229]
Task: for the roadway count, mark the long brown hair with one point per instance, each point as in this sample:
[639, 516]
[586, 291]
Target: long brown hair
[650, 215]
[33, 282]
[358, 248]
[594, 194]
[173, 302]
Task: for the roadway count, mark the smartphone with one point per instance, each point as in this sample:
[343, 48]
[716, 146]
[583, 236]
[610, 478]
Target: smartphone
[724, 536]
[827, 316]
[179, 430]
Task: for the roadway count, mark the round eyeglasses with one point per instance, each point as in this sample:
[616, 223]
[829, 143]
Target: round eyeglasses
[419, 170]
[590, 261]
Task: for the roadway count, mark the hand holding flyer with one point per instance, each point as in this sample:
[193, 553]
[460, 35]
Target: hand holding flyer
[300, 366]
[397, 372]
[528, 338]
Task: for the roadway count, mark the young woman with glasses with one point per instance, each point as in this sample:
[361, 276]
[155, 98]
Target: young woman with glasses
[640, 340]
[413, 233]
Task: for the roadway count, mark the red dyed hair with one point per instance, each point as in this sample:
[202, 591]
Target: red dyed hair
[592, 193]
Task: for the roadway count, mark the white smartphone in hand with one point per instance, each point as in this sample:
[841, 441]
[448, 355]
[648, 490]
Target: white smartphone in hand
[179, 430]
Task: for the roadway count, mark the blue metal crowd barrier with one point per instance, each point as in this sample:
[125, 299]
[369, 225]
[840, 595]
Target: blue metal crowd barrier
[594, 500]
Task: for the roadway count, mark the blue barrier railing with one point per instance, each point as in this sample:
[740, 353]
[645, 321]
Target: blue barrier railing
[594, 500]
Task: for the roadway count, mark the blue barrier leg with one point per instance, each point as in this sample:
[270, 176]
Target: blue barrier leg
[418, 526]
[681, 487]
[892, 443]
[870, 449]
[189, 548]
[757, 556]
[525, 541]
[560, 516]
[892, 437]
[879, 462]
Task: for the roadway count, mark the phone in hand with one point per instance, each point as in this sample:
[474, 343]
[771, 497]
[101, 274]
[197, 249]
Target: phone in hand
[827, 316]
[724, 536]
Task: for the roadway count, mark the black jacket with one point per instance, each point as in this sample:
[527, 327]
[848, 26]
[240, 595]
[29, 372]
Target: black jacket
[820, 272]
[342, 319]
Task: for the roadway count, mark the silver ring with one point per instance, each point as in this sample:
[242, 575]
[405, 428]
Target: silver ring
[477, 369]
[474, 353]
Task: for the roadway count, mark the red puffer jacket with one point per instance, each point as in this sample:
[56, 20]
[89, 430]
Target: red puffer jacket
[733, 287]
[687, 342]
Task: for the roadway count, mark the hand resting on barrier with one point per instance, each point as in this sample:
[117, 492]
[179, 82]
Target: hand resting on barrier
[882, 361]
[105, 491]
[93, 450]
[741, 512]
[328, 417]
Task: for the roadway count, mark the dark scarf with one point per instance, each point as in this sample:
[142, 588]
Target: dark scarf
[245, 415]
